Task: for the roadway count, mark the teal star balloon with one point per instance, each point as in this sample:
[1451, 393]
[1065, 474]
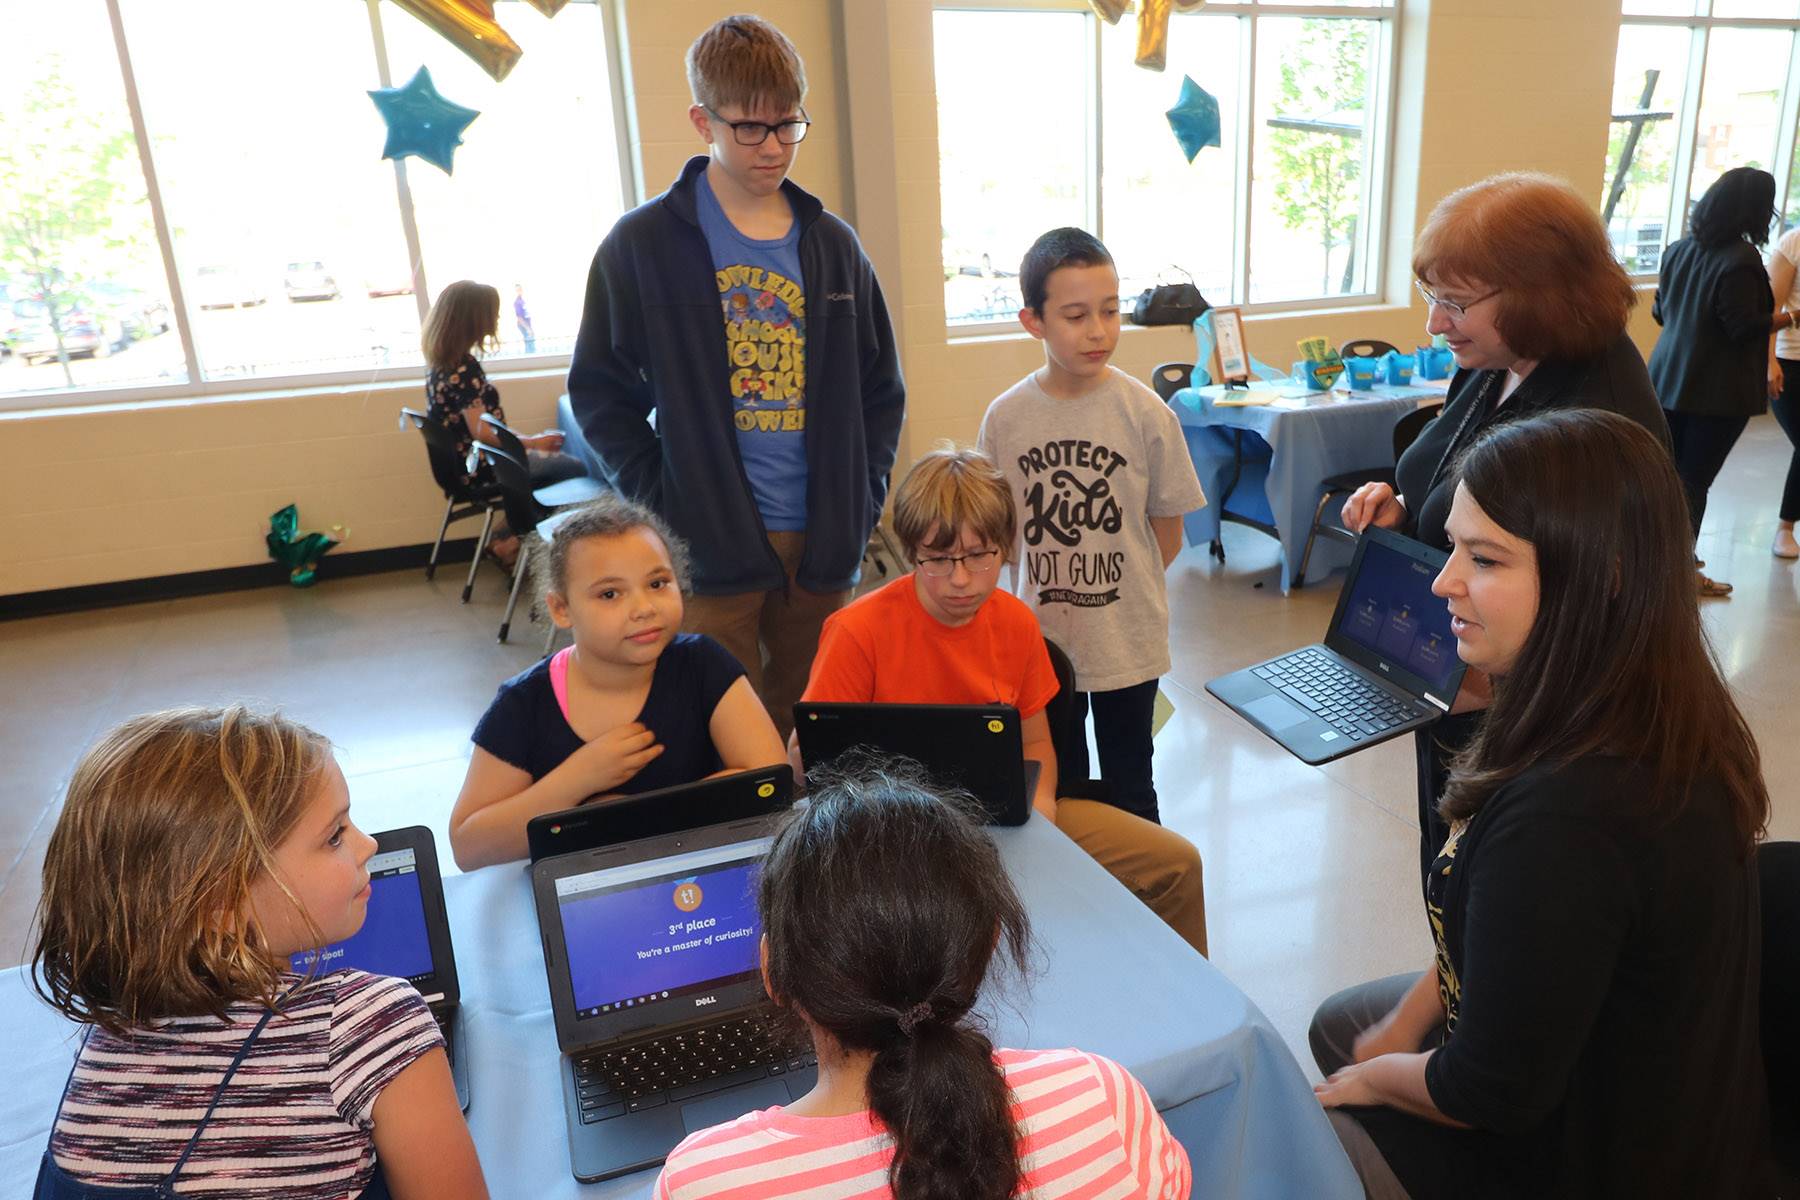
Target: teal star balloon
[420, 122]
[1195, 118]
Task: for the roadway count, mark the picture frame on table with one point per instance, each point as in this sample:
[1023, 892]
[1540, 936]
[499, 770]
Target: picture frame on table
[1231, 355]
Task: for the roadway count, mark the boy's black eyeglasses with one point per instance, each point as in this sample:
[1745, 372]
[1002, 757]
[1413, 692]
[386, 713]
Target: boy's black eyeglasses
[755, 133]
[978, 562]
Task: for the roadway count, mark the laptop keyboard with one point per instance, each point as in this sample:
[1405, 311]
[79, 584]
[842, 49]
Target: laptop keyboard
[679, 1066]
[1341, 698]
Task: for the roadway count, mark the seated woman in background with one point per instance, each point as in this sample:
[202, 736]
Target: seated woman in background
[1519, 276]
[633, 705]
[913, 1101]
[463, 321]
[1590, 1026]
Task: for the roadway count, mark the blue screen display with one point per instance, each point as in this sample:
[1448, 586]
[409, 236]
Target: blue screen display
[1391, 611]
[660, 930]
[393, 939]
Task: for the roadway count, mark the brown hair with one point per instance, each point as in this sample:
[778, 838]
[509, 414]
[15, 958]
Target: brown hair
[609, 516]
[1562, 293]
[746, 61]
[169, 820]
[951, 488]
[463, 320]
[1597, 497]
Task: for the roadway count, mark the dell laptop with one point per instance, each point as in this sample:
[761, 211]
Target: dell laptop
[608, 822]
[653, 954]
[1388, 664]
[406, 934]
[975, 747]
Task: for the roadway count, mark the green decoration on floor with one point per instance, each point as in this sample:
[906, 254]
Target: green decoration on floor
[299, 552]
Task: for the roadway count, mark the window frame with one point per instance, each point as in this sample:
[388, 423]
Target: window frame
[1378, 157]
[197, 386]
[1700, 26]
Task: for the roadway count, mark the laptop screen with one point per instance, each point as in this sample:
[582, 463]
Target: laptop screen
[393, 939]
[654, 931]
[1390, 610]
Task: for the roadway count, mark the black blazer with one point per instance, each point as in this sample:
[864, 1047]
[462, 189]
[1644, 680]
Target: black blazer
[1714, 305]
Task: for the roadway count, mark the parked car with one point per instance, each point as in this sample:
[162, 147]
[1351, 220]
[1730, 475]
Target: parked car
[226, 287]
[309, 280]
[141, 314]
[86, 332]
[388, 285]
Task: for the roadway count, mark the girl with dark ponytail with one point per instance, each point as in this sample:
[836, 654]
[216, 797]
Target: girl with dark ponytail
[883, 905]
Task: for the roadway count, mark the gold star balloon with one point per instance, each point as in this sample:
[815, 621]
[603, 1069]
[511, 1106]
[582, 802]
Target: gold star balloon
[1153, 25]
[470, 26]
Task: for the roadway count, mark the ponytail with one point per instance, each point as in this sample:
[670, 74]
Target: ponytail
[919, 904]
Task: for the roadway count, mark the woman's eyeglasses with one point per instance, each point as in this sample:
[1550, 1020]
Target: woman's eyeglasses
[755, 133]
[1457, 311]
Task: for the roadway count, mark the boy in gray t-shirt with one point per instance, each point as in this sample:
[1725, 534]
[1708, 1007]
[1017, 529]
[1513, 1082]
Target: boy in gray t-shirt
[1101, 476]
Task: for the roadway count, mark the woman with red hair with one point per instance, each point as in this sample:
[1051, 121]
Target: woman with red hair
[1519, 276]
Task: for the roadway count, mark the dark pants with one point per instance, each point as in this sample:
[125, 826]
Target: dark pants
[553, 467]
[1122, 735]
[1701, 446]
[1787, 411]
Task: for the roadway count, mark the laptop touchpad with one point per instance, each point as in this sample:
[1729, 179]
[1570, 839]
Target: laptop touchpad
[733, 1103]
[1275, 712]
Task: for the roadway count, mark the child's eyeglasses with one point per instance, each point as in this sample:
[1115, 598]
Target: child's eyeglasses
[755, 133]
[978, 563]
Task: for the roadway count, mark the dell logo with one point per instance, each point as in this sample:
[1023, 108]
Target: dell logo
[1382, 665]
[703, 1001]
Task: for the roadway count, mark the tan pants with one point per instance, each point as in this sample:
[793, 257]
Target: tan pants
[773, 634]
[1159, 866]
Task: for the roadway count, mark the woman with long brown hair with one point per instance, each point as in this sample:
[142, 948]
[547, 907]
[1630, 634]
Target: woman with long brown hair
[1589, 1027]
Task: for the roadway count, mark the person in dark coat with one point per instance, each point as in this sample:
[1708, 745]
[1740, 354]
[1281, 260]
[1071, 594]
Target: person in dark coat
[1713, 300]
[1519, 277]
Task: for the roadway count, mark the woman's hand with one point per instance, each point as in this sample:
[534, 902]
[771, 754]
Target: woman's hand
[550, 441]
[615, 756]
[1373, 504]
[1774, 380]
[1352, 1085]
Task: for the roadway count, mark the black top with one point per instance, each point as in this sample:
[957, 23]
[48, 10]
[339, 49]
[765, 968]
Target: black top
[1714, 304]
[1614, 380]
[1601, 980]
[449, 392]
[525, 726]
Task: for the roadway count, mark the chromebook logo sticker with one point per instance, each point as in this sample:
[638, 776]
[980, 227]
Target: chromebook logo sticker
[996, 725]
[766, 790]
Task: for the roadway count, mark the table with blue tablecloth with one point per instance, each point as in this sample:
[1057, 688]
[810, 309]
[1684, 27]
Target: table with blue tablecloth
[1264, 463]
[1110, 978]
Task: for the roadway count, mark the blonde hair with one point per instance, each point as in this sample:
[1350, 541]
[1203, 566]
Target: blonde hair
[746, 61]
[465, 318]
[950, 489]
[170, 818]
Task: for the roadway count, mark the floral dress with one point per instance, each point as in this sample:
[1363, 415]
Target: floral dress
[450, 392]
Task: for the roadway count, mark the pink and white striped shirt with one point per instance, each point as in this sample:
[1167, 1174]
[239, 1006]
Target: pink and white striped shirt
[1087, 1131]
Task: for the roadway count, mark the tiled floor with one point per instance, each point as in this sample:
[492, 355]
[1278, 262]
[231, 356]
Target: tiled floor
[1310, 872]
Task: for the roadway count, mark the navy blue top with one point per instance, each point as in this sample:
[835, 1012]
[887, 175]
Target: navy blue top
[651, 341]
[525, 726]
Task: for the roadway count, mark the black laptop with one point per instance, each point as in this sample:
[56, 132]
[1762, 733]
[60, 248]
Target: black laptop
[608, 822]
[975, 747]
[652, 951]
[407, 934]
[1387, 666]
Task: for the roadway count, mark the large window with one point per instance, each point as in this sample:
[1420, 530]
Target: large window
[1700, 86]
[302, 256]
[1061, 128]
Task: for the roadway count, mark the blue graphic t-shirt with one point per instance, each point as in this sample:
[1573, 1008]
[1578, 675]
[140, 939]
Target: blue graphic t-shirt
[764, 302]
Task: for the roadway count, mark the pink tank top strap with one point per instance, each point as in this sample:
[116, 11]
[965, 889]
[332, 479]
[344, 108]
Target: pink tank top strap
[559, 678]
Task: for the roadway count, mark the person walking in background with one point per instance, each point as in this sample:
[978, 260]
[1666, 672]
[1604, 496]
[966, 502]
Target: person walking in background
[522, 318]
[1784, 381]
[1710, 366]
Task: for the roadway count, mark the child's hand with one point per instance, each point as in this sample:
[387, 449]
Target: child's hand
[550, 441]
[615, 756]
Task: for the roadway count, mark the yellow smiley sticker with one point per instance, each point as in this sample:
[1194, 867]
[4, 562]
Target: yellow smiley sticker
[766, 790]
[996, 726]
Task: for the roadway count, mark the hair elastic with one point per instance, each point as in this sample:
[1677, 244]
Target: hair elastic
[909, 1020]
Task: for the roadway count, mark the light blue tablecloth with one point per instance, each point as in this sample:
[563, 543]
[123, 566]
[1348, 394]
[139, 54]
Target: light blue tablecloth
[1111, 979]
[1289, 451]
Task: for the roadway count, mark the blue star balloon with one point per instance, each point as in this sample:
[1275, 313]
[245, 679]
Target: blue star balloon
[420, 122]
[1195, 118]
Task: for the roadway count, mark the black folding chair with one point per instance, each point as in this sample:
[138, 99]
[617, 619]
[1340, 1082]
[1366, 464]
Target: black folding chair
[579, 490]
[1366, 348]
[534, 521]
[1169, 378]
[1406, 431]
[462, 497]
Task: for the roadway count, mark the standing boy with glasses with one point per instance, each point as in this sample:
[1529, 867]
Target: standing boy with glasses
[747, 319]
[1100, 472]
[943, 635]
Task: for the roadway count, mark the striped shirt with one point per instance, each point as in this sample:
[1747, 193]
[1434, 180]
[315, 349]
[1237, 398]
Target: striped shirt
[1087, 1131]
[296, 1121]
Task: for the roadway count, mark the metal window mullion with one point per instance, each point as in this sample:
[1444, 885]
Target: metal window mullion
[409, 226]
[153, 188]
[1785, 129]
[1095, 162]
[615, 35]
[1682, 170]
[1240, 250]
[1379, 165]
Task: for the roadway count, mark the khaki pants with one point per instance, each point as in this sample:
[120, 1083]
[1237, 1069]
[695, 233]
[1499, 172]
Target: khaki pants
[773, 634]
[1159, 866]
